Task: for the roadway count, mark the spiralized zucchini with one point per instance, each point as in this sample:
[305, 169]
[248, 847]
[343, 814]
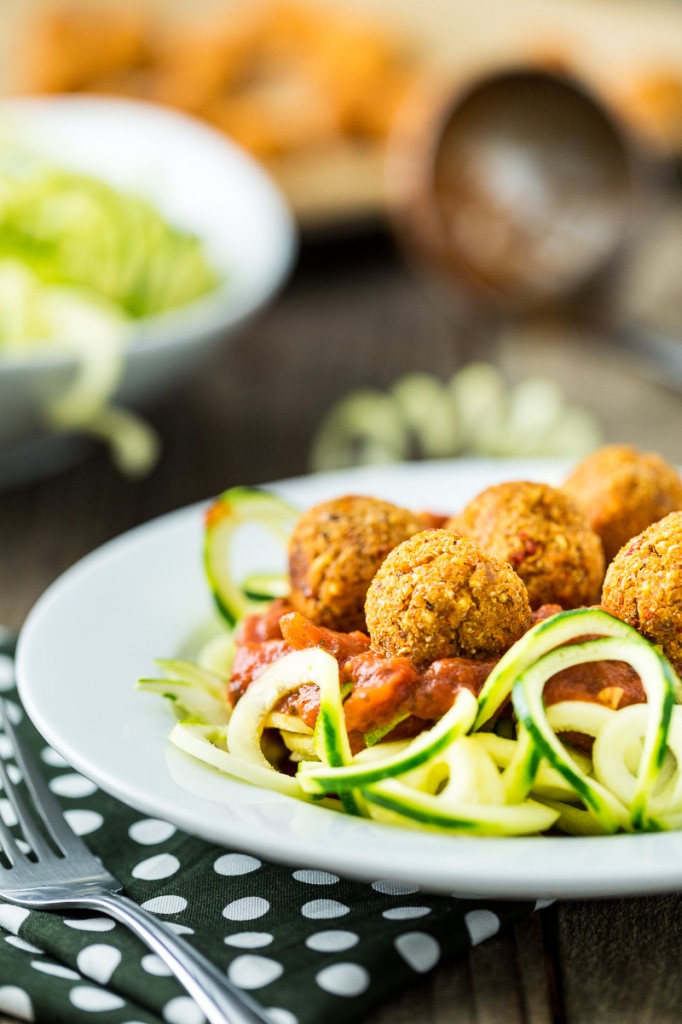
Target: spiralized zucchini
[231, 511]
[460, 776]
[80, 262]
[475, 412]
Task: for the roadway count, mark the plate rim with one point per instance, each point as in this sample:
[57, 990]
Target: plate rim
[525, 872]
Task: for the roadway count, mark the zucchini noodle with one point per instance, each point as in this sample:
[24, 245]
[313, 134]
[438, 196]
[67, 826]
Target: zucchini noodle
[209, 744]
[459, 776]
[450, 778]
[474, 412]
[80, 263]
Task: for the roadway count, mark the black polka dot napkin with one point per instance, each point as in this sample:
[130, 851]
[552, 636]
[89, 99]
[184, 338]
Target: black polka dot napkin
[308, 945]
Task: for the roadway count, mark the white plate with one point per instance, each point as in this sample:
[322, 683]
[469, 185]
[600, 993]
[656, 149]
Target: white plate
[143, 595]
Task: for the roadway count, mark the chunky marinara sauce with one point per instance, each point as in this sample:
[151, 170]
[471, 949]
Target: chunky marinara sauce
[383, 691]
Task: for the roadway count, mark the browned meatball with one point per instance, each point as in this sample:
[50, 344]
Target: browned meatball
[543, 536]
[334, 551]
[643, 585]
[621, 491]
[439, 595]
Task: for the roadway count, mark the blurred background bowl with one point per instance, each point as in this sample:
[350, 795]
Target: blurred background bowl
[200, 182]
[505, 215]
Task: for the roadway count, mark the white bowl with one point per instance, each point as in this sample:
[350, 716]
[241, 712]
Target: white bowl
[198, 180]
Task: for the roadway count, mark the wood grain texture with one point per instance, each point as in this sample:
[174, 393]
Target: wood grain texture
[618, 960]
[503, 981]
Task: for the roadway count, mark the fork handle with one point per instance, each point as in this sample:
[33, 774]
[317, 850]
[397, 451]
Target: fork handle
[220, 1001]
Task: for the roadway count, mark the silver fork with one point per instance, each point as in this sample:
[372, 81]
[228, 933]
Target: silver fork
[68, 876]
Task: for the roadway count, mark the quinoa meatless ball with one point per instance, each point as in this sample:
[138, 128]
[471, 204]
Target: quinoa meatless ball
[643, 585]
[334, 551]
[621, 491]
[543, 536]
[439, 595]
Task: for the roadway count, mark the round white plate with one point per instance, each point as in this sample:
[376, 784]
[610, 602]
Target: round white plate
[143, 596]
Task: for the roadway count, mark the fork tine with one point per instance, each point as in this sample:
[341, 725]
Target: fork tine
[46, 806]
[32, 834]
[9, 846]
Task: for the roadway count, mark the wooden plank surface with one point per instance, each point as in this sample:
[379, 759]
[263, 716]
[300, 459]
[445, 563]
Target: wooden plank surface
[617, 961]
[352, 316]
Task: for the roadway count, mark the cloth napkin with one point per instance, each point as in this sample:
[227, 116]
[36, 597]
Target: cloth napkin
[308, 945]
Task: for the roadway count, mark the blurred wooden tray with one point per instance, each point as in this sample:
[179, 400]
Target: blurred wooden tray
[630, 51]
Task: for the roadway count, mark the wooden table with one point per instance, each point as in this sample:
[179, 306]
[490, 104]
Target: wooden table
[353, 316]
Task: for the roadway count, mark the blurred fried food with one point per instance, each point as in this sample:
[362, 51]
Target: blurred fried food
[75, 49]
[653, 102]
[278, 77]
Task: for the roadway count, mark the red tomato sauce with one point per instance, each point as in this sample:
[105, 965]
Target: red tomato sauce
[391, 696]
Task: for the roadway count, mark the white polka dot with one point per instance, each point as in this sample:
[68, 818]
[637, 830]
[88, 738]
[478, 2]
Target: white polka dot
[94, 1000]
[13, 773]
[319, 909]
[150, 831]
[332, 941]
[14, 940]
[13, 711]
[98, 962]
[165, 904]
[419, 950]
[405, 913]
[54, 970]
[236, 864]
[249, 940]
[277, 1015]
[179, 929]
[153, 964]
[12, 918]
[394, 888]
[250, 971]
[51, 757]
[246, 909]
[343, 979]
[161, 865]
[7, 812]
[481, 924]
[72, 785]
[90, 924]
[83, 822]
[17, 1002]
[6, 673]
[182, 1010]
[6, 748]
[316, 877]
